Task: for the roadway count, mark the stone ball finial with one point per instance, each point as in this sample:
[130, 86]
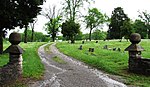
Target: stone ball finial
[15, 38]
[135, 38]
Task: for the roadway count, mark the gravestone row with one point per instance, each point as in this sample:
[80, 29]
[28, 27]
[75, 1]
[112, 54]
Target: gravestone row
[114, 49]
[137, 64]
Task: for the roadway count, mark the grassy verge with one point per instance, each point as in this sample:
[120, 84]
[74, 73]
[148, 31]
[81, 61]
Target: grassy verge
[5, 57]
[47, 49]
[55, 58]
[113, 62]
[32, 66]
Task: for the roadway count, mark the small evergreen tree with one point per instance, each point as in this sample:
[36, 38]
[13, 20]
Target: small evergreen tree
[118, 18]
[70, 29]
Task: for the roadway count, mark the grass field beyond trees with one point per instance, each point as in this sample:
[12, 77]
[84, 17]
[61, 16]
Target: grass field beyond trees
[113, 62]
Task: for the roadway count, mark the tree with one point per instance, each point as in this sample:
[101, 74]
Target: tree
[28, 9]
[38, 36]
[99, 35]
[52, 26]
[7, 20]
[79, 36]
[145, 16]
[72, 8]
[16, 13]
[116, 22]
[141, 28]
[126, 29]
[70, 29]
[85, 36]
[94, 19]
[32, 25]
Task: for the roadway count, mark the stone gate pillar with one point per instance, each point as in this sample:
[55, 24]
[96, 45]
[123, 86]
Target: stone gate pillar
[13, 69]
[134, 53]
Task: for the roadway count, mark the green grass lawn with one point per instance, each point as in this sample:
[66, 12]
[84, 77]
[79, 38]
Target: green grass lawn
[113, 62]
[32, 66]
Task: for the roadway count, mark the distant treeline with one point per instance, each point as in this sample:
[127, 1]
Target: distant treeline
[37, 37]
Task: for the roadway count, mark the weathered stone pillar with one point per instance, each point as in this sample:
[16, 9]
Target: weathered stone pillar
[13, 70]
[134, 53]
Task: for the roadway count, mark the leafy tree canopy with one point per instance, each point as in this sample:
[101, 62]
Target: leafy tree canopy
[52, 27]
[72, 8]
[38, 37]
[70, 29]
[116, 22]
[141, 28]
[145, 17]
[17, 13]
[94, 19]
[127, 29]
[99, 35]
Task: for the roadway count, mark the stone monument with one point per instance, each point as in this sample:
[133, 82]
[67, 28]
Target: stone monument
[136, 63]
[13, 69]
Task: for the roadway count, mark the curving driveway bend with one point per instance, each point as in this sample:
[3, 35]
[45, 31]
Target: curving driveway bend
[72, 73]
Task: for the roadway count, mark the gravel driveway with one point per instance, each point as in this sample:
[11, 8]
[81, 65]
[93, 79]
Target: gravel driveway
[72, 73]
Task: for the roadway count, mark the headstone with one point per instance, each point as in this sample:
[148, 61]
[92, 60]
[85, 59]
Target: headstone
[91, 49]
[119, 49]
[114, 49]
[105, 47]
[80, 48]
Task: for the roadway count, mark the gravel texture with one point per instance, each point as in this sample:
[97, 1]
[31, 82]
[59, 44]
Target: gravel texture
[72, 73]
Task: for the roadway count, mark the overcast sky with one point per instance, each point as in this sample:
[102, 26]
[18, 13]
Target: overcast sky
[130, 7]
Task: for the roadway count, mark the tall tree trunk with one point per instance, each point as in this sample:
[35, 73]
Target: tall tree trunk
[90, 34]
[32, 27]
[25, 34]
[72, 40]
[74, 13]
[1, 41]
[148, 34]
[32, 35]
[53, 38]
[53, 33]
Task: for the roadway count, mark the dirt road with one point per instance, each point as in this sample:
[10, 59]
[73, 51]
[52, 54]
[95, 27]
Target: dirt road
[72, 73]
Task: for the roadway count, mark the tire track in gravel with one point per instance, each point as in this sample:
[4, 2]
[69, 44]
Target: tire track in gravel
[73, 73]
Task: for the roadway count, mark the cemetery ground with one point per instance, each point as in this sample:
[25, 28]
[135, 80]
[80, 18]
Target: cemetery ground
[112, 62]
